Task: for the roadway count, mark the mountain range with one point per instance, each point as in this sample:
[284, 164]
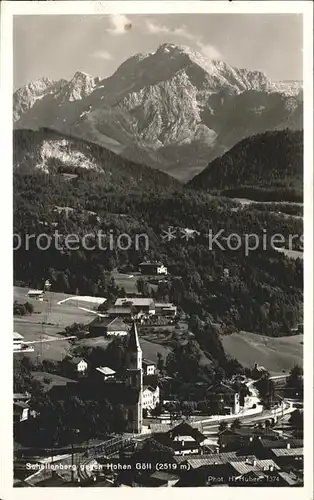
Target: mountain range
[172, 109]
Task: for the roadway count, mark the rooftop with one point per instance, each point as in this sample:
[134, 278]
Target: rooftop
[185, 429]
[196, 461]
[290, 478]
[117, 323]
[223, 388]
[164, 476]
[76, 360]
[281, 443]
[135, 301]
[21, 395]
[147, 362]
[120, 309]
[105, 370]
[110, 323]
[166, 427]
[151, 263]
[245, 466]
[17, 336]
[148, 388]
[287, 452]
[20, 404]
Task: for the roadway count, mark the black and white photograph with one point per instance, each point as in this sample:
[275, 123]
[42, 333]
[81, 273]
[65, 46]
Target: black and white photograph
[160, 186]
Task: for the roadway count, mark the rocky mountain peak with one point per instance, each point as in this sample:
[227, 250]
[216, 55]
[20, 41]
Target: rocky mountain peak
[173, 109]
[81, 85]
[25, 97]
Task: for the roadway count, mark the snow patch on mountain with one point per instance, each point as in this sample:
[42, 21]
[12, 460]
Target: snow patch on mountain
[173, 109]
[288, 87]
[25, 97]
[78, 88]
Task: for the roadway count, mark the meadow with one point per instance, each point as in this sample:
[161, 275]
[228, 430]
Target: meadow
[275, 354]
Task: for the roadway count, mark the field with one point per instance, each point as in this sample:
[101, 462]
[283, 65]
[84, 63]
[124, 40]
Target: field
[53, 379]
[126, 281]
[275, 354]
[50, 317]
[48, 320]
[149, 349]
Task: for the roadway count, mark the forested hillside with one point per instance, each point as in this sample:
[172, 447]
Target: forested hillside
[263, 292]
[267, 166]
[50, 152]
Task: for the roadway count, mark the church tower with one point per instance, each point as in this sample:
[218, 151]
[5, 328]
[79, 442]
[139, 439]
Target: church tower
[134, 382]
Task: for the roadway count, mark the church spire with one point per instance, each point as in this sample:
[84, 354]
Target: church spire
[133, 343]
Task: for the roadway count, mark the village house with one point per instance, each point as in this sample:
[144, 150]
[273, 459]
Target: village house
[124, 312]
[21, 396]
[183, 439]
[288, 457]
[106, 372]
[165, 309]
[150, 397]
[108, 327]
[225, 397]
[80, 365]
[222, 469]
[20, 411]
[138, 304]
[258, 371]
[247, 465]
[264, 447]
[149, 367]
[152, 268]
[243, 438]
[35, 294]
[208, 469]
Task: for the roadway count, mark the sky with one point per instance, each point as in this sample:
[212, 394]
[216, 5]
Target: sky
[59, 45]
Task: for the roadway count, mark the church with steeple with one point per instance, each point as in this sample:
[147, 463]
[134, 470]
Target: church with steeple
[134, 382]
[127, 387]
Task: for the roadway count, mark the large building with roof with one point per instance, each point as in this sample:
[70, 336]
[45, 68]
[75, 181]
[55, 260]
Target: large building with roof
[143, 305]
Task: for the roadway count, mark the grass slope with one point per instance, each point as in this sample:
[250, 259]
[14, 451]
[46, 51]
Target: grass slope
[275, 354]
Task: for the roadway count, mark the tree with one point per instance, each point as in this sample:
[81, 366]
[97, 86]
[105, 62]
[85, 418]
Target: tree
[223, 426]
[119, 420]
[296, 419]
[187, 409]
[155, 412]
[266, 389]
[236, 424]
[29, 307]
[142, 287]
[160, 362]
[295, 381]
